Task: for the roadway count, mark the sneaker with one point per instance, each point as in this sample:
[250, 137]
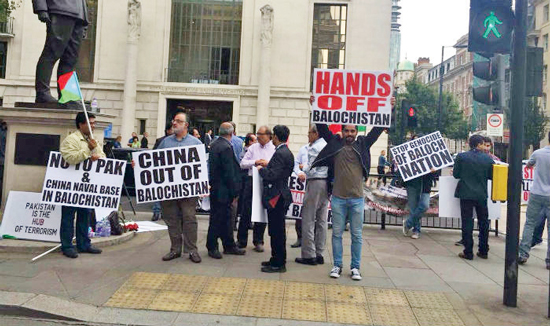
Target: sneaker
[335, 272]
[459, 243]
[522, 260]
[355, 274]
[415, 235]
[156, 217]
[406, 230]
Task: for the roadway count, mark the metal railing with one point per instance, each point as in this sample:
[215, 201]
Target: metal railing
[6, 27]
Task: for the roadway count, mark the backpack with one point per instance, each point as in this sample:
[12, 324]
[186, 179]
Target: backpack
[114, 220]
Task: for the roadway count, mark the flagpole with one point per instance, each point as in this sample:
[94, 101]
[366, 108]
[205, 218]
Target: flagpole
[84, 106]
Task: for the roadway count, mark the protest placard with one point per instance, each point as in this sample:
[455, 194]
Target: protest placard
[449, 205]
[527, 182]
[170, 173]
[418, 156]
[25, 217]
[352, 97]
[298, 190]
[89, 184]
[259, 213]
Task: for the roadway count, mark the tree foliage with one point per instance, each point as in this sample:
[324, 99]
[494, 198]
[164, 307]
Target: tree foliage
[426, 99]
[535, 122]
[7, 7]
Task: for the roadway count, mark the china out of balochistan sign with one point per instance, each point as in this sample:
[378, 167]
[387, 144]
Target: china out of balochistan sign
[170, 173]
[418, 156]
[495, 124]
[25, 217]
[352, 97]
[89, 184]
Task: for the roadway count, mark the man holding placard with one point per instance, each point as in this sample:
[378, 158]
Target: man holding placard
[179, 214]
[76, 148]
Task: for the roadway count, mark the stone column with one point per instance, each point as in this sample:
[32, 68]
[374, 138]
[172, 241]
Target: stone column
[130, 82]
[264, 84]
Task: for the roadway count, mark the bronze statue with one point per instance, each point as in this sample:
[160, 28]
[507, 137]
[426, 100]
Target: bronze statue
[66, 22]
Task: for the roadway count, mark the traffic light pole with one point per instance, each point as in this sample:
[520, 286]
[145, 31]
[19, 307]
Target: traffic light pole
[518, 97]
[501, 82]
[441, 72]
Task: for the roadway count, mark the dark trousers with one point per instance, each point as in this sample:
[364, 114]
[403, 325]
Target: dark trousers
[67, 229]
[298, 227]
[63, 37]
[220, 225]
[467, 212]
[277, 232]
[246, 217]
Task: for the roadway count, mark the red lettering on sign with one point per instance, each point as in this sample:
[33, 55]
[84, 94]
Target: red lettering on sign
[329, 102]
[368, 86]
[353, 102]
[385, 87]
[323, 82]
[353, 82]
[374, 103]
[337, 86]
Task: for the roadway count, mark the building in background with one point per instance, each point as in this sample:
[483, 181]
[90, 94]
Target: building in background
[395, 38]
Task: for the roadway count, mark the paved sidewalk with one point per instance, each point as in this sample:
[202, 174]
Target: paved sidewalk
[80, 288]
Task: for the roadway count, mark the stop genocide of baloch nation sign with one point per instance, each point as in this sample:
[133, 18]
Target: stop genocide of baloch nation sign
[352, 97]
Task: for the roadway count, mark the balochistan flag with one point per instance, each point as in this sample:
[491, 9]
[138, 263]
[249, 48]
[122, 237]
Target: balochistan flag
[69, 87]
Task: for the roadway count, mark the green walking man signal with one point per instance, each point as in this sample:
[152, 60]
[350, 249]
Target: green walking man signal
[490, 25]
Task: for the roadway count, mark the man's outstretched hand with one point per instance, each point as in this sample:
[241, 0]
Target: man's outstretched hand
[44, 17]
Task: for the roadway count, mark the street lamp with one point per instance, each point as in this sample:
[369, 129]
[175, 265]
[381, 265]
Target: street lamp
[441, 72]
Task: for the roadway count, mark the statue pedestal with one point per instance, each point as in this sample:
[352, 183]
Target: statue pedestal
[31, 134]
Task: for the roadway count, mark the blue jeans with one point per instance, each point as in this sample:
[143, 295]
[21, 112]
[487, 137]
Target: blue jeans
[352, 209]
[537, 206]
[418, 204]
[537, 235]
[67, 228]
[156, 208]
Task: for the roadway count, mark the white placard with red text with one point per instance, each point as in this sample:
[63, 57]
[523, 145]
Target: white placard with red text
[354, 97]
[527, 182]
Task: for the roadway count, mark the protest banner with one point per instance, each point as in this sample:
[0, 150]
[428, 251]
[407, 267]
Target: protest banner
[25, 217]
[527, 183]
[170, 173]
[298, 190]
[418, 156]
[89, 184]
[352, 97]
[259, 213]
[449, 205]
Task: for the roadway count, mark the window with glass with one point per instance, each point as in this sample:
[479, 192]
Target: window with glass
[545, 40]
[86, 54]
[329, 37]
[205, 41]
[544, 73]
[3, 56]
[545, 13]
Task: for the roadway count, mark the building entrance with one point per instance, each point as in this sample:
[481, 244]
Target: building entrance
[203, 115]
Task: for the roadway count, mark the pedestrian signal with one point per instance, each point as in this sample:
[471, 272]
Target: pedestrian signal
[491, 26]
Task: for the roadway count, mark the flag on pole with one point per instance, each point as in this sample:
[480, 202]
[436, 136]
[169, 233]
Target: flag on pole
[69, 87]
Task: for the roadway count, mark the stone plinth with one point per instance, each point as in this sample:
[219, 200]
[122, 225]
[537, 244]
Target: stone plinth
[37, 121]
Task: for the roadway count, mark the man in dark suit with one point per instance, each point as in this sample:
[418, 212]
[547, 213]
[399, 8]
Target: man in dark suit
[474, 168]
[225, 182]
[276, 198]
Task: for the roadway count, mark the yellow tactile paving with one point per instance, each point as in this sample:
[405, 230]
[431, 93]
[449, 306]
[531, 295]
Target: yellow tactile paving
[392, 316]
[185, 283]
[225, 285]
[132, 298]
[218, 304]
[283, 299]
[340, 293]
[266, 306]
[430, 300]
[304, 291]
[430, 317]
[346, 313]
[390, 297]
[174, 301]
[314, 310]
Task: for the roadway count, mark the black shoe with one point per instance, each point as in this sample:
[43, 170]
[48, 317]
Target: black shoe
[91, 250]
[459, 243]
[297, 244]
[171, 255]
[320, 260]
[195, 257]
[241, 245]
[266, 263]
[215, 254]
[259, 248]
[306, 261]
[536, 243]
[45, 98]
[71, 253]
[156, 217]
[273, 269]
[234, 251]
[482, 256]
[463, 256]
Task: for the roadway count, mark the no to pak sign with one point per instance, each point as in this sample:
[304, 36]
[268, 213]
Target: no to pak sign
[495, 124]
[352, 97]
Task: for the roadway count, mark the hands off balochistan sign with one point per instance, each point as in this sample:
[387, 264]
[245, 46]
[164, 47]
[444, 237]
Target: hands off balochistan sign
[170, 173]
[418, 156]
[352, 97]
[96, 184]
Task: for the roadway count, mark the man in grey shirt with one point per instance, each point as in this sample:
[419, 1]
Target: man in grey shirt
[180, 214]
[539, 201]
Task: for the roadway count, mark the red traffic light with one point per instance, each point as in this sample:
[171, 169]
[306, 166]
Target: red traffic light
[411, 112]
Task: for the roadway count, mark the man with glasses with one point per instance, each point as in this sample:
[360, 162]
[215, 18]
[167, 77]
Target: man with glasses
[258, 154]
[179, 214]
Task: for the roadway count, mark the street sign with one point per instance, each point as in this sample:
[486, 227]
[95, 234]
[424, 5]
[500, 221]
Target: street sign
[495, 124]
